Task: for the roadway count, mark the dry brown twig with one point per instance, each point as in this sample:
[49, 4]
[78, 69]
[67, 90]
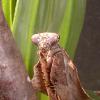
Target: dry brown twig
[55, 74]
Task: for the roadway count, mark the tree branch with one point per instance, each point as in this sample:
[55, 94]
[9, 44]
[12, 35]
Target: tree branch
[13, 77]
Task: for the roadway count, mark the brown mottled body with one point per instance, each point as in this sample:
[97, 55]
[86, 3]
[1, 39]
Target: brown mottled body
[55, 73]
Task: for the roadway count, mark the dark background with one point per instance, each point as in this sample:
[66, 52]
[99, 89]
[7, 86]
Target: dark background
[87, 56]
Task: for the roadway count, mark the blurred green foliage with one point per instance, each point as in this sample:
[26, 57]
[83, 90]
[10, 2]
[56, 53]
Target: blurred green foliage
[27, 17]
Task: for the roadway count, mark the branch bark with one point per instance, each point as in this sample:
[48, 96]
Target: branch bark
[13, 77]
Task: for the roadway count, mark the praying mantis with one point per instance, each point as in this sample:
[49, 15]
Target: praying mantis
[55, 74]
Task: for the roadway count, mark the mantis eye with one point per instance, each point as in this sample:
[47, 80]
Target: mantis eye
[35, 39]
[53, 38]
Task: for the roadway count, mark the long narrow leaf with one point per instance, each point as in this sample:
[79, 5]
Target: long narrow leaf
[6, 9]
[27, 17]
[72, 25]
[23, 28]
[12, 9]
[9, 7]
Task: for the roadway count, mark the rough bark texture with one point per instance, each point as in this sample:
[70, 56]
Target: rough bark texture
[88, 51]
[13, 77]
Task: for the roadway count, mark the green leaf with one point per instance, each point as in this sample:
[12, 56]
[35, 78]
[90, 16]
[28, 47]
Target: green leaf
[27, 17]
[12, 9]
[8, 8]
[48, 18]
[72, 25]
[23, 28]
